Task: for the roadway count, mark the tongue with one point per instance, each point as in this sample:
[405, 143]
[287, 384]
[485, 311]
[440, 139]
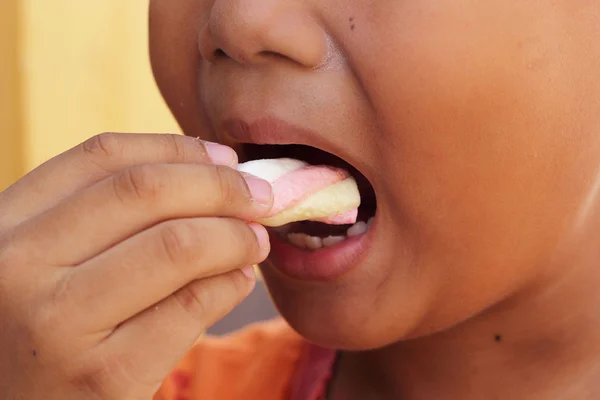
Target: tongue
[307, 192]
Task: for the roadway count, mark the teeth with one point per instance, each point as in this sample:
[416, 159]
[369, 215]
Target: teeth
[357, 229]
[304, 241]
[370, 221]
[333, 240]
[298, 239]
[313, 242]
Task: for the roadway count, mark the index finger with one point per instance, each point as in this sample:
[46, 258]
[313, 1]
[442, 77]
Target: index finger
[96, 159]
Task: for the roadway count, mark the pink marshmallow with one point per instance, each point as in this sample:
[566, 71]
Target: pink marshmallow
[297, 185]
[348, 217]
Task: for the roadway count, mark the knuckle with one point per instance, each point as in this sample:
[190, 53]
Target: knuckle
[227, 183]
[179, 241]
[195, 301]
[143, 183]
[242, 240]
[105, 144]
[177, 148]
[239, 283]
[205, 302]
[252, 247]
[62, 295]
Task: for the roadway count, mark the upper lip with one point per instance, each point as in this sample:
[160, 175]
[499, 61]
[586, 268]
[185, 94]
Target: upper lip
[274, 131]
[269, 130]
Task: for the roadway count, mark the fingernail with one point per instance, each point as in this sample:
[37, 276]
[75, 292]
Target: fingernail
[220, 155]
[260, 189]
[249, 272]
[262, 236]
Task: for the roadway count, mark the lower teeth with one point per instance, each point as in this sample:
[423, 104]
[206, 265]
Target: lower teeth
[332, 240]
[304, 241]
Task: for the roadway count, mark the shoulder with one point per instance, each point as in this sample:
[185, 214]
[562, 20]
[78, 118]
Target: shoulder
[256, 362]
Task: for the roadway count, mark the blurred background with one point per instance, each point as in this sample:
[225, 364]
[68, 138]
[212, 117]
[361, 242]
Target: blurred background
[71, 69]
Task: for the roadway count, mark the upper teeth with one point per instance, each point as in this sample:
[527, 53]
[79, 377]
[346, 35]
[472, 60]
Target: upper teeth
[357, 229]
[305, 241]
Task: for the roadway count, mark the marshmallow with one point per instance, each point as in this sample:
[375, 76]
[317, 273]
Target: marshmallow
[306, 192]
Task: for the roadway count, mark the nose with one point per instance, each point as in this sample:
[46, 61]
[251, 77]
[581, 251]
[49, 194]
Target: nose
[256, 31]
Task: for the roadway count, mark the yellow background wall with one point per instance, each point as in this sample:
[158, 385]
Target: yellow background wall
[11, 157]
[74, 68]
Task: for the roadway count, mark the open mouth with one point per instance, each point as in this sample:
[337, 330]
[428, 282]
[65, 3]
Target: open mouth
[313, 235]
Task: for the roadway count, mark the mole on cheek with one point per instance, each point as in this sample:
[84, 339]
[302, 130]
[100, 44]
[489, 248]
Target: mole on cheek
[352, 25]
[498, 338]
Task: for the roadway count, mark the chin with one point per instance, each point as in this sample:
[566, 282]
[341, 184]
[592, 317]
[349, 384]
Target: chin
[364, 309]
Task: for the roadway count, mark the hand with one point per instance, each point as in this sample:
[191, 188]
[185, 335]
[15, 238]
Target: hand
[115, 256]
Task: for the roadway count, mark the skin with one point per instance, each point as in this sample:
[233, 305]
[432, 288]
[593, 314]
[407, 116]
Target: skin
[115, 213]
[477, 124]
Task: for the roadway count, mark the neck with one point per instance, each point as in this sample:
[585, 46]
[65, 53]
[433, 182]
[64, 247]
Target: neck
[541, 343]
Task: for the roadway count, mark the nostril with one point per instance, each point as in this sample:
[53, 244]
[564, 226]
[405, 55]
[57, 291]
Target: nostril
[219, 53]
[274, 55]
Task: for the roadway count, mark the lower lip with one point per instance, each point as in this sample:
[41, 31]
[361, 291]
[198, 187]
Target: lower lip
[327, 263]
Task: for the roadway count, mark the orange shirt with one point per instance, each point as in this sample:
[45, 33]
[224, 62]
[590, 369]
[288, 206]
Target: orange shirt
[266, 361]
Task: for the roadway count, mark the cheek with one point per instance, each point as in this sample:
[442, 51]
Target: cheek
[174, 54]
[484, 159]
[472, 108]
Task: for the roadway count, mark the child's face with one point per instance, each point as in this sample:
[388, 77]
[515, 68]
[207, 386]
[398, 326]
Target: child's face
[474, 120]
